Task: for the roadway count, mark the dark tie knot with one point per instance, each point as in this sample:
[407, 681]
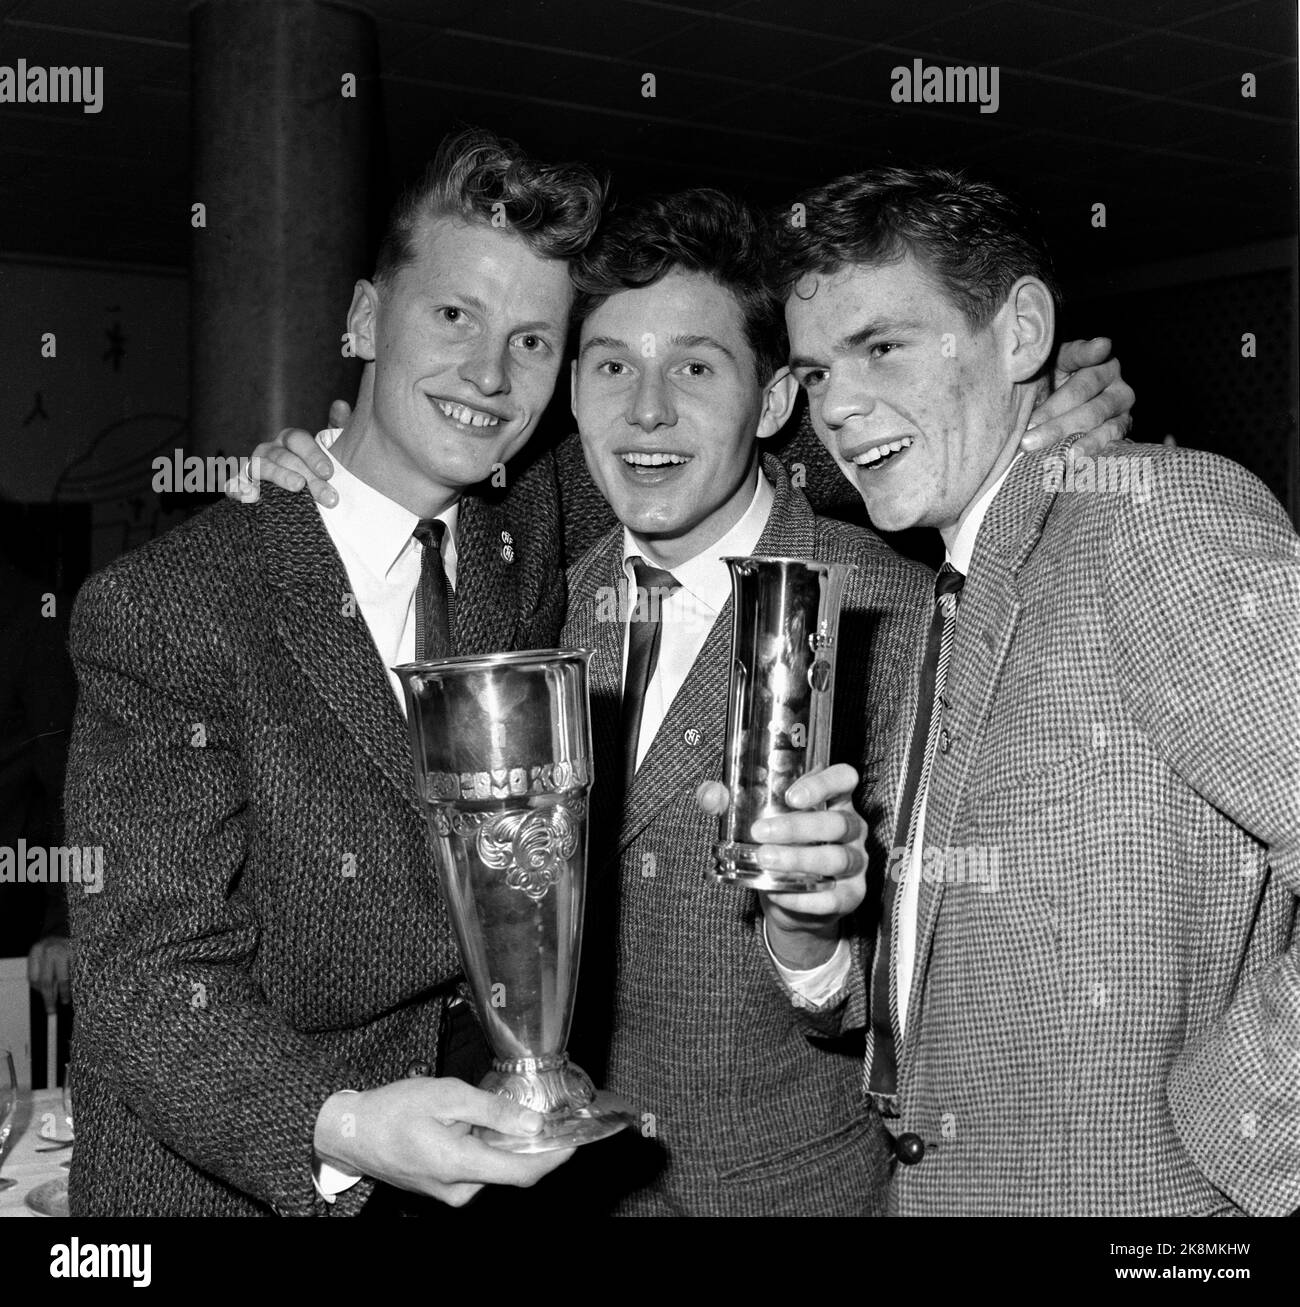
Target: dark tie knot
[948, 582]
[429, 531]
[653, 578]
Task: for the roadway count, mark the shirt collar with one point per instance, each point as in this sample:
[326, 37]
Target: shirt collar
[963, 546]
[706, 577]
[377, 529]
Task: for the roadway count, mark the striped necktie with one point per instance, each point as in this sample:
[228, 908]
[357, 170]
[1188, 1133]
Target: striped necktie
[645, 628]
[435, 600]
[883, 1033]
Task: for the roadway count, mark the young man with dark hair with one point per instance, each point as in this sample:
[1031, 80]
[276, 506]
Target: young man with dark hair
[680, 374]
[1085, 996]
[266, 983]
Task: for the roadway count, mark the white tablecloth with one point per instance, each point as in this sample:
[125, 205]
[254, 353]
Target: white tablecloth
[21, 1162]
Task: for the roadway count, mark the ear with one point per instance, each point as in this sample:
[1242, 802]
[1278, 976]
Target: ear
[362, 318]
[573, 388]
[778, 403]
[1029, 327]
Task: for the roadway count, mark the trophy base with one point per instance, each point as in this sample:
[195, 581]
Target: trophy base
[572, 1111]
[605, 1115]
[737, 864]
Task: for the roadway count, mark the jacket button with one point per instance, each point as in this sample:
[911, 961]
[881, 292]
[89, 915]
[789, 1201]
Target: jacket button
[414, 1069]
[910, 1149]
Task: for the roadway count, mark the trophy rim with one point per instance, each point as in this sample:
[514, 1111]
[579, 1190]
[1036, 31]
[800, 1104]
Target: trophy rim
[483, 662]
[790, 558]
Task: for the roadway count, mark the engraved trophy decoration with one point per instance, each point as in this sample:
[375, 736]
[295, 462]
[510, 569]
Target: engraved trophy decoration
[785, 622]
[502, 749]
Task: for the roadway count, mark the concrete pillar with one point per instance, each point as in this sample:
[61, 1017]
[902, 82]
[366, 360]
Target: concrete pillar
[285, 133]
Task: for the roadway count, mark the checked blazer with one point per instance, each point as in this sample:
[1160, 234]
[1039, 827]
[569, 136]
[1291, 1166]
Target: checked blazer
[270, 928]
[679, 1008]
[1105, 1011]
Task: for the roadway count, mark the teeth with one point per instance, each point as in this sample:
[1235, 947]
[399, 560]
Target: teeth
[877, 453]
[469, 417]
[653, 460]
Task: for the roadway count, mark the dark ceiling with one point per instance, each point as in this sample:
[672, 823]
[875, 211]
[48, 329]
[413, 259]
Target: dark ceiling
[1133, 103]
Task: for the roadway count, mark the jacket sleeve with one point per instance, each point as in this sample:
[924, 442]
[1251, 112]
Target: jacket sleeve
[169, 1010]
[842, 1014]
[1202, 595]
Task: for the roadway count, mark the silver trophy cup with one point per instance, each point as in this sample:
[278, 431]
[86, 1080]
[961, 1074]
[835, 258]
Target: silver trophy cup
[502, 749]
[785, 624]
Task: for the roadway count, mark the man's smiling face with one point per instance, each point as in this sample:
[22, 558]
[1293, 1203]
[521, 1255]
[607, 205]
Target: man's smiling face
[467, 341]
[916, 405]
[669, 405]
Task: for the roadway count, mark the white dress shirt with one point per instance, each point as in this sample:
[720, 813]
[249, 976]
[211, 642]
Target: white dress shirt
[382, 560]
[687, 616]
[959, 554]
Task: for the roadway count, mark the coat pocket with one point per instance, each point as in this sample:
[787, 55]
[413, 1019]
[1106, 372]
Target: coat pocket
[843, 1172]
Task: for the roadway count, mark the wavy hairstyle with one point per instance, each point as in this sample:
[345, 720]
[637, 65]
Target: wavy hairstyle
[481, 177]
[702, 230]
[975, 240]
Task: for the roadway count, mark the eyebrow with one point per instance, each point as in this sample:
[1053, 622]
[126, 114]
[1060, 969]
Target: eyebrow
[602, 342]
[475, 303]
[679, 342]
[701, 342]
[869, 331]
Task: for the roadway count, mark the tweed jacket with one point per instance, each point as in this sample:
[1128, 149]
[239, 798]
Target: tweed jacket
[1105, 1011]
[269, 929]
[678, 1006]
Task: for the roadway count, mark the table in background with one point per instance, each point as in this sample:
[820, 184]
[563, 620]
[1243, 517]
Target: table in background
[21, 1160]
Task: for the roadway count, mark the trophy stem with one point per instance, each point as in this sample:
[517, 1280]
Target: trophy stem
[574, 1112]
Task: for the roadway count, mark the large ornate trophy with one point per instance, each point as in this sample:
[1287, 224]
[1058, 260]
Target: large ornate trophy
[502, 748]
[785, 624]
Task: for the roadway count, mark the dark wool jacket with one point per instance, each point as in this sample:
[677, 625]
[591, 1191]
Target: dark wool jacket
[268, 930]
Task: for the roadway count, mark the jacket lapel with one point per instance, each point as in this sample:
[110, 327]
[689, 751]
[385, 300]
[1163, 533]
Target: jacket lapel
[487, 579]
[593, 623]
[687, 747]
[986, 625]
[322, 628]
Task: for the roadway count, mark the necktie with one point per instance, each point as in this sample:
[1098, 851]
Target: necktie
[645, 626]
[883, 1032]
[435, 601]
[462, 1051]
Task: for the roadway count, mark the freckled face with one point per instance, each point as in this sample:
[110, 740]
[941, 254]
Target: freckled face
[912, 402]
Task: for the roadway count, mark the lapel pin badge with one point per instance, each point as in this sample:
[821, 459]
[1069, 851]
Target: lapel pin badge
[507, 546]
[692, 735]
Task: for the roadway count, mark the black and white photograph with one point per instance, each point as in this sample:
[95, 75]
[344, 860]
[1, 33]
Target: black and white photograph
[643, 609]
